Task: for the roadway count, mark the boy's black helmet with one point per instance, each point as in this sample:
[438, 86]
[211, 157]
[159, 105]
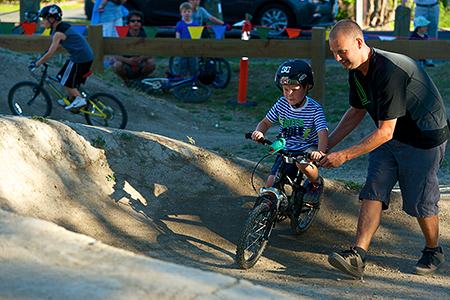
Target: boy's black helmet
[294, 71]
[51, 11]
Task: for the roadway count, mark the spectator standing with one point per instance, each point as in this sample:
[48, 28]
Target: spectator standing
[187, 66]
[132, 67]
[201, 15]
[111, 15]
[420, 29]
[430, 10]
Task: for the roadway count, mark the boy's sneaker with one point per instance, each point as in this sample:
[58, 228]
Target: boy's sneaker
[313, 192]
[77, 103]
[430, 261]
[349, 261]
[61, 102]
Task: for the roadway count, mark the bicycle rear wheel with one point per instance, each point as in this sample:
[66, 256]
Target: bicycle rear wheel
[26, 98]
[223, 75]
[173, 64]
[194, 92]
[106, 110]
[251, 242]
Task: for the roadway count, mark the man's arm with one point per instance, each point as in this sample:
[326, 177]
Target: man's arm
[381, 135]
[57, 37]
[216, 20]
[348, 123]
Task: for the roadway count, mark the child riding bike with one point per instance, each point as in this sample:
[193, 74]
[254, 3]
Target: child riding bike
[302, 123]
[81, 54]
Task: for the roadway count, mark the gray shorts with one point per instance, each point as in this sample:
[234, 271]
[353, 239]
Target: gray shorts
[415, 170]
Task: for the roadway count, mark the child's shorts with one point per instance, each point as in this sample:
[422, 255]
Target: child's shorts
[71, 74]
[416, 171]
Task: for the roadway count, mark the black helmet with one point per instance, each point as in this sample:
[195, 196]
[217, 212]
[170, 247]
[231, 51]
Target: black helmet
[51, 11]
[294, 71]
[207, 73]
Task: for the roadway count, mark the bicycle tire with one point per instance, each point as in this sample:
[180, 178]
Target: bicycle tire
[223, 75]
[21, 93]
[192, 92]
[173, 65]
[113, 108]
[251, 244]
[307, 216]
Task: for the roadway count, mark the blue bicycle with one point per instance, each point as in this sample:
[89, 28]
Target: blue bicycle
[187, 89]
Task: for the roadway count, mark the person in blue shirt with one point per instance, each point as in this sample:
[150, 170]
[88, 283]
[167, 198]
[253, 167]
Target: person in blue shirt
[187, 65]
[80, 59]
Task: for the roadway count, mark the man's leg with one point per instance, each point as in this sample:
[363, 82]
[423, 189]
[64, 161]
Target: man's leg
[368, 222]
[430, 229]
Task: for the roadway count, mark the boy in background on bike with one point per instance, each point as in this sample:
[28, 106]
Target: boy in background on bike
[302, 122]
[80, 59]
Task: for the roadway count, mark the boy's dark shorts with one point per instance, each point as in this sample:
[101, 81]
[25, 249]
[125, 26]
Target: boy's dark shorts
[290, 170]
[416, 171]
[71, 74]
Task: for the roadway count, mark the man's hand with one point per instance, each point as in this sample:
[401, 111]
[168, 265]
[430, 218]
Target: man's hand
[134, 60]
[32, 65]
[333, 160]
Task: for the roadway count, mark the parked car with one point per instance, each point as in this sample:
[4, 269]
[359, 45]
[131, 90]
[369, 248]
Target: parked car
[303, 14]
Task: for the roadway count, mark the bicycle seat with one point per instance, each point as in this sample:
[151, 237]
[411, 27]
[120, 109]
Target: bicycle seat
[89, 73]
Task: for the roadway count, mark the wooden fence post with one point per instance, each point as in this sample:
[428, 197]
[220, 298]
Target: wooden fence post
[95, 39]
[318, 57]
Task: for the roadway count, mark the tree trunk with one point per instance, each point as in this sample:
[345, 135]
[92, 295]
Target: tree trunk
[380, 13]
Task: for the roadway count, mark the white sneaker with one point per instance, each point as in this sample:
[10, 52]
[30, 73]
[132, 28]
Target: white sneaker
[61, 102]
[77, 103]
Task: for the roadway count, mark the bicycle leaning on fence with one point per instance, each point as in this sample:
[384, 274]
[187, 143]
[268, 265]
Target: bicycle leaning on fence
[28, 98]
[187, 89]
[274, 205]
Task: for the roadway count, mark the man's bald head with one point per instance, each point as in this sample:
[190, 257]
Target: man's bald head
[347, 28]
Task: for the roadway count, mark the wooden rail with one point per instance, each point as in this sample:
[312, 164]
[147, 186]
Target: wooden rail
[316, 49]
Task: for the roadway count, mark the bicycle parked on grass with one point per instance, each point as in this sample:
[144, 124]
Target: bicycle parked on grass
[187, 89]
[274, 205]
[222, 67]
[28, 98]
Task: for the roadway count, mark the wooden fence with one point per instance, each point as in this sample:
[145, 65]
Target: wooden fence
[316, 49]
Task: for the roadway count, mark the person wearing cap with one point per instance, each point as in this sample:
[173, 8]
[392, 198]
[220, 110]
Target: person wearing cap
[428, 9]
[420, 28]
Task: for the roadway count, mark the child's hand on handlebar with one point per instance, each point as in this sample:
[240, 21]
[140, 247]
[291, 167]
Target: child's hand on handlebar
[317, 155]
[257, 135]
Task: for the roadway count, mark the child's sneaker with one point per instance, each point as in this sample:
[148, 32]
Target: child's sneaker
[430, 261]
[313, 192]
[77, 103]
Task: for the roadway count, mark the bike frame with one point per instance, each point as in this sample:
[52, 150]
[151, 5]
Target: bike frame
[46, 78]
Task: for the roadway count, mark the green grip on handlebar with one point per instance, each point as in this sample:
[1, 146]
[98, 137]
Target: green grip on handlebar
[278, 145]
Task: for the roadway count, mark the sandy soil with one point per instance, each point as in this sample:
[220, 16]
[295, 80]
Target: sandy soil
[149, 191]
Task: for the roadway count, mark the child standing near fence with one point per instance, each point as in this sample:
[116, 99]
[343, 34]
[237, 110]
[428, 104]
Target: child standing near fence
[187, 66]
[419, 33]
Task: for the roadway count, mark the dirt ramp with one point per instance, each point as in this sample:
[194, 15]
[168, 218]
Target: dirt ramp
[123, 188]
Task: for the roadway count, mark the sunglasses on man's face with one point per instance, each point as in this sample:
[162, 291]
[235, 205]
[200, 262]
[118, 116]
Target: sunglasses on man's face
[135, 21]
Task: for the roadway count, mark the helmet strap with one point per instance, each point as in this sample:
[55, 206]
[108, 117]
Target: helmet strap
[300, 103]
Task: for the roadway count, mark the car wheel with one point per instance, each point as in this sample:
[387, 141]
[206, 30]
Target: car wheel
[276, 16]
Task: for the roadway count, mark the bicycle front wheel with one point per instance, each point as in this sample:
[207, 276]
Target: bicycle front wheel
[192, 92]
[223, 75]
[106, 110]
[302, 223]
[26, 98]
[252, 243]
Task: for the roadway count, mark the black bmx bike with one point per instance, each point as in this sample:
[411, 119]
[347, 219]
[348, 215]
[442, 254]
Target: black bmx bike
[275, 205]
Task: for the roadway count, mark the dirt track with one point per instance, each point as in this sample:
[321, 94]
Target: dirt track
[180, 203]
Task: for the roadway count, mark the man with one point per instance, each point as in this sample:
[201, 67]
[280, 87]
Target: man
[407, 146]
[132, 67]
